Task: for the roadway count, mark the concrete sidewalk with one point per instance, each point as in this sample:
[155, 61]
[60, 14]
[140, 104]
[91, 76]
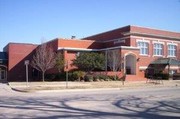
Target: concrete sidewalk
[51, 86]
[4, 87]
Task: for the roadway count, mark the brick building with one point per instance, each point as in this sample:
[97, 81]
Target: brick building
[140, 48]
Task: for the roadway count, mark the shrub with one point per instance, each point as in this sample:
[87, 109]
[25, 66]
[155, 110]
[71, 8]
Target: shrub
[111, 78]
[114, 78]
[61, 76]
[50, 77]
[101, 76]
[95, 77]
[161, 75]
[77, 75]
[88, 78]
[70, 76]
[123, 78]
[165, 76]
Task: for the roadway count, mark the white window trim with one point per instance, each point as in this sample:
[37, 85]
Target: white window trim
[158, 56]
[158, 42]
[162, 49]
[146, 41]
[168, 49]
[145, 55]
[172, 44]
[171, 56]
[142, 40]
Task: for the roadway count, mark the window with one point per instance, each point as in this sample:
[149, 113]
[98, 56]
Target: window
[143, 47]
[171, 50]
[158, 49]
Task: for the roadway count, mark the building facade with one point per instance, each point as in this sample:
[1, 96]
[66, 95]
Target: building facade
[138, 47]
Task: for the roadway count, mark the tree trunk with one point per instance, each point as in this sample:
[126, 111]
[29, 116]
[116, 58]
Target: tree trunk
[43, 73]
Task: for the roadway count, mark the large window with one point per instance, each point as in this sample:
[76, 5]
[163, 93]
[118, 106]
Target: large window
[171, 50]
[143, 47]
[158, 49]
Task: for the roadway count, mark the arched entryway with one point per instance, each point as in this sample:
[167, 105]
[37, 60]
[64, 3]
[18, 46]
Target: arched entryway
[130, 66]
[3, 73]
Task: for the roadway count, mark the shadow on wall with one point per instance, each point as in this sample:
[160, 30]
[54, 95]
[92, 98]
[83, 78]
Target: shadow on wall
[18, 72]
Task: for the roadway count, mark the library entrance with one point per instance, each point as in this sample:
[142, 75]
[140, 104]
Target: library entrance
[3, 73]
[130, 64]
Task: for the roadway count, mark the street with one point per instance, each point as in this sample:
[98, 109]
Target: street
[98, 104]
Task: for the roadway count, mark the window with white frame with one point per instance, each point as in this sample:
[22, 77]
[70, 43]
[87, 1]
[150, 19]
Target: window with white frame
[171, 50]
[158, 49]
[143, 47]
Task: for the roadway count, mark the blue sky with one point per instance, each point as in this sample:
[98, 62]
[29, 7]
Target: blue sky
[30, 21]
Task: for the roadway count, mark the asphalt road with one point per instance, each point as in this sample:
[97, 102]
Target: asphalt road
[157, 103]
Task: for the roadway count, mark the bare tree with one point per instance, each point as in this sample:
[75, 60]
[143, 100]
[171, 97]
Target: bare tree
[113, 59]
[44, 59]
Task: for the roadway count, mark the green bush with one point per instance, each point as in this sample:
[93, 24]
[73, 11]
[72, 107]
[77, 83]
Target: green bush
[71, 76]
[50, 77]
[95, 78]
[114, 78]
[78, 75]
[88, 78]
[165, 76]
[161, 75]
[61, 76]
[101, 76]
[111, 78]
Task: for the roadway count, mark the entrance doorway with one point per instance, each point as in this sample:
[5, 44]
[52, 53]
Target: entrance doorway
[2, 75]
[130, 66]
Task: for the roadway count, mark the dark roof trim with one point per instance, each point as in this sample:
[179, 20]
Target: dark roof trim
[166, 61]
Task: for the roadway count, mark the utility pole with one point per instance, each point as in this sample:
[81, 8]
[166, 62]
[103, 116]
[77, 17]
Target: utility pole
[26, 63]
[66, 74]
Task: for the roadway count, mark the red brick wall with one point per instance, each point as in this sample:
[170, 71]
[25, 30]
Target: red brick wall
[72, 43]
[114, 43]
[109, 35]
[17, 54]
[146, 60]
[53, 44]
[154, 31]
[69, 56]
